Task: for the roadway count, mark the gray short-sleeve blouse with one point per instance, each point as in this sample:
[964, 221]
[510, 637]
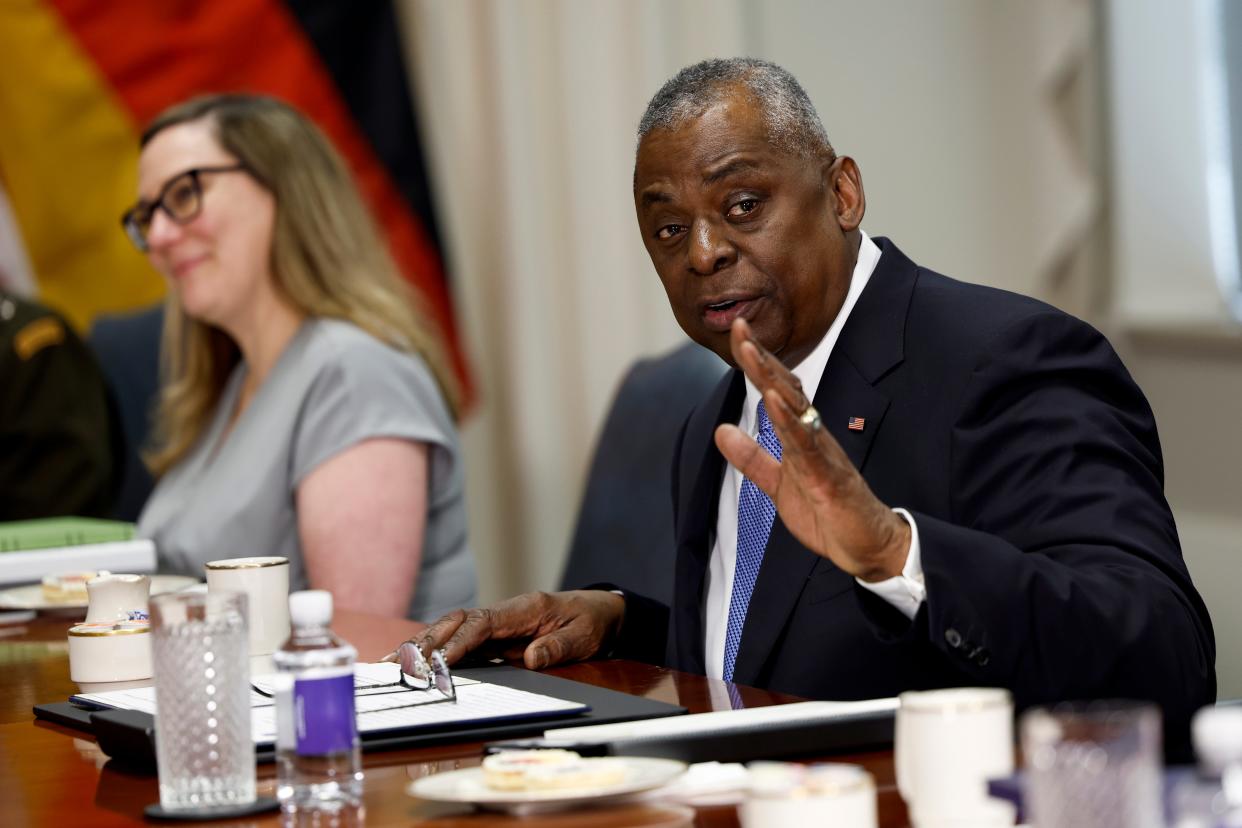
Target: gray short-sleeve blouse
[333, 387]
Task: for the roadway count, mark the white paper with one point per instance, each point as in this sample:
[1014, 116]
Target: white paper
[722, 721]
[477, 701]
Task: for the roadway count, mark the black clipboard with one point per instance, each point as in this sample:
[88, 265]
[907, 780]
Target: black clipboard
[129, 736]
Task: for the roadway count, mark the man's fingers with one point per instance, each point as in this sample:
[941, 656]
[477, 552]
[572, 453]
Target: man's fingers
[584, 621]
[565, 626]
[813, 457]
[575, 642]
[749, 458]
[763, 368]
[439, 631]
[473, 628]
[546, 651]
[799, 441]
[461, 632]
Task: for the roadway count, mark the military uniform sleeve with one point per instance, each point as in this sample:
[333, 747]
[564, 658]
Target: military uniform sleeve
[57, 439]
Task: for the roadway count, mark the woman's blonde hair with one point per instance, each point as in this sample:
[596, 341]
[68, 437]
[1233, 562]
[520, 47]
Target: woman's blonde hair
[327, 258]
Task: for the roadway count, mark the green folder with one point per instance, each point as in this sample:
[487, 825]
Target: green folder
[48, 533]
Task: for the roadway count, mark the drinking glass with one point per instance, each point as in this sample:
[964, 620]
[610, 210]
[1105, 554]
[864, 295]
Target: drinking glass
[202, 697]
[1094, 765]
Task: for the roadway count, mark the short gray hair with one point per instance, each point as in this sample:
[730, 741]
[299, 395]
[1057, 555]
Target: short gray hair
[789, 115]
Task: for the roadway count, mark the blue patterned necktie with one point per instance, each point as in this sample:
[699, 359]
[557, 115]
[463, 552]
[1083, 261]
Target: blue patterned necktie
[755, 513]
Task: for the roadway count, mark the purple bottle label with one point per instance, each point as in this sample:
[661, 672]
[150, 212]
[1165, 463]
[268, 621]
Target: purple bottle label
[323, 713]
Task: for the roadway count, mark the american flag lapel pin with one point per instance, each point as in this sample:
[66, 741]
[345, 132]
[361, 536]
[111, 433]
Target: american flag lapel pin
[856, 424]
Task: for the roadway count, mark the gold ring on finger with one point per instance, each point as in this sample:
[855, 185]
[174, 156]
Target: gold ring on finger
[810, 419]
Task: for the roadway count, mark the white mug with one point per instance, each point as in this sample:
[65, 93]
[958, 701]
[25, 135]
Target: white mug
[266, 581]
[799, 796]
[948, 744]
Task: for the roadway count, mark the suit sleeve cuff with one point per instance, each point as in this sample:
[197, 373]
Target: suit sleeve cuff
[905, 592]
[644, 632]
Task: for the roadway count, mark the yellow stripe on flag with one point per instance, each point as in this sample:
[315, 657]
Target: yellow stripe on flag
[68, 156]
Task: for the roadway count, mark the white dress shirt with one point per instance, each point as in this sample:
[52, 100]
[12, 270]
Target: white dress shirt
[906, 592]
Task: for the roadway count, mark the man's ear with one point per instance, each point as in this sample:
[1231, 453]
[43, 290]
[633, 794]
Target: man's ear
[849, 201]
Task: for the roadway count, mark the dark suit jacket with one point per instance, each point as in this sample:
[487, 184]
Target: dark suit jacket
[1030, 461]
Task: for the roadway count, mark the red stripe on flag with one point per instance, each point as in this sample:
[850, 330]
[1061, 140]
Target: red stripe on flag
[155, 54]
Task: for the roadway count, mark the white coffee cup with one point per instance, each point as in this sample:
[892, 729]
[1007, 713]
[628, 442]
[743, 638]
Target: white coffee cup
[266, 581]
[948, 744]
[801, 796]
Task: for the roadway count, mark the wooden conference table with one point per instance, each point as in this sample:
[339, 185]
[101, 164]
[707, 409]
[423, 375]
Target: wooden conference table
[53, 775]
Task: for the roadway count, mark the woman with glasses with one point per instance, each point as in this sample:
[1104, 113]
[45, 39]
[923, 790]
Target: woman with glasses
[306, 410]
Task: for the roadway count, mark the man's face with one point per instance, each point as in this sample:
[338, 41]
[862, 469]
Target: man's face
[738, 227]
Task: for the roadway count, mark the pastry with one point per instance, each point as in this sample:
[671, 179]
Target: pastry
[509, 769]
[580, 775]
[549, 770]
[67, 588]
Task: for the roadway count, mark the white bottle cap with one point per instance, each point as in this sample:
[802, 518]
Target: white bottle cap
[1218, 737]
[310, 608]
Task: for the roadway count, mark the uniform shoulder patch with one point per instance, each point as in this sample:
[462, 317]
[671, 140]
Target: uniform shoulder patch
[37, 335]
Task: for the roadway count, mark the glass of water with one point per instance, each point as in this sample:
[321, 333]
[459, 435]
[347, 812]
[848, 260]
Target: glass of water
[1094, 765]
[202, 697]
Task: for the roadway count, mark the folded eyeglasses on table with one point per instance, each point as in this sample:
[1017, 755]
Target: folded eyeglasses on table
[429, 675]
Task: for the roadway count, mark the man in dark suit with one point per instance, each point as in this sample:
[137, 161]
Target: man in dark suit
[928, 483]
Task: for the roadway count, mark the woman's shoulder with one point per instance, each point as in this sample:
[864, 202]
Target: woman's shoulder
[344, 337]
[341, 354]
[338, 342]
[354, 387]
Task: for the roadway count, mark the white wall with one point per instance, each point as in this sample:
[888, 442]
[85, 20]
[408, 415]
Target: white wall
[913, 92]
[1160, 82]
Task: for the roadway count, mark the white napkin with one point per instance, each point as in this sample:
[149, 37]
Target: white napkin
[705, 783]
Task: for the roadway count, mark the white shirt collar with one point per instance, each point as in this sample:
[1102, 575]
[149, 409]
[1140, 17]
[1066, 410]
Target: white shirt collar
[811, 369]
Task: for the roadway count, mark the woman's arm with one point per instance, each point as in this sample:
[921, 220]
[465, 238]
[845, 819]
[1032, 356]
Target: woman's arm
[361, 516]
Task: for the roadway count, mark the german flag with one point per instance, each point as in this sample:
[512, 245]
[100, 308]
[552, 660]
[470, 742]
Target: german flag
[80, 78]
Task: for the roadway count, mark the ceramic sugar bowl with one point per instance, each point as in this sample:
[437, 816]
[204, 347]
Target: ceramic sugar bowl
[110, 652]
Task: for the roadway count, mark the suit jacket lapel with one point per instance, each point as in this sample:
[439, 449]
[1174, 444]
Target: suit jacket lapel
[871, 345]
[700, 474]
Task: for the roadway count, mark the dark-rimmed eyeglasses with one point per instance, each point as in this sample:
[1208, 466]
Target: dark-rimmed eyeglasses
[181, 199]
[427, 676]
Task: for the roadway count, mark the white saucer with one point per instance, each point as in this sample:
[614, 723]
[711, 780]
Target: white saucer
[467, 785]
[31, 597]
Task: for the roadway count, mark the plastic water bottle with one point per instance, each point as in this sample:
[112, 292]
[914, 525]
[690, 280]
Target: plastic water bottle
[318, 762]
[1212, 796]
